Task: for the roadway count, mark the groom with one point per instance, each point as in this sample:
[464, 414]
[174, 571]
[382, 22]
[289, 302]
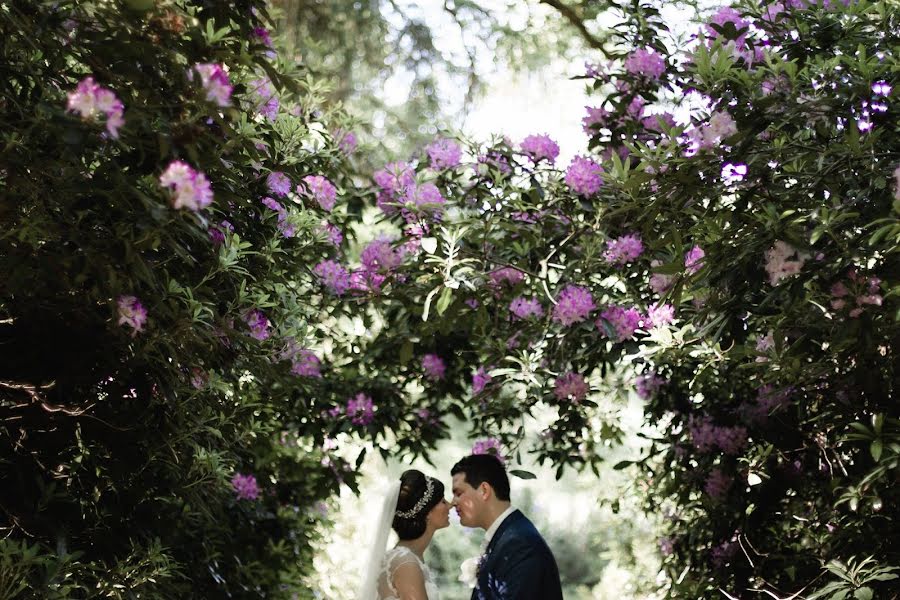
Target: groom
[516, 563]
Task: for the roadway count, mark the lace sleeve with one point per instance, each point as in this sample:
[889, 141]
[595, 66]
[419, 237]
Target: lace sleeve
[395, 559]
[398, 559]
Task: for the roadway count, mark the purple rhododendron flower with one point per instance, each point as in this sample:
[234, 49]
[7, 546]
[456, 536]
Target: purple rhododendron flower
[623, 250]
[480, 379]
[659, 282]
[258, 323]
[320, 189]
[245, 487]
[332, 232]
[571, 386]
[361, 410]
[659, 122]
[624, 322]
[278, 184]
[444, 154]
[488, 446]
[727, 14]
[661, 314]
[425, 198]
[191, 189]
[306, 364]
[706, 436]
[506, 276]
[90, 100]
[131, 313]
[782, 261]
[346, 141]
[645, 62]
[434, 367]
[284, 225]
[717, 484]
[573, 305]
[333, 276]
[263, 35]
[596, 117]
[267, 103]
[540, 147]
[693, 259]
[380, 256]
[646, 386]
[584, 176]
[526, 308]
[215, 82]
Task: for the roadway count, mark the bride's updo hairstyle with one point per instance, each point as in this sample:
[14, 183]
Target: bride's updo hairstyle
[418, 495]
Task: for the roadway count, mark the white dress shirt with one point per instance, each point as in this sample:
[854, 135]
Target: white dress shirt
[492, 530]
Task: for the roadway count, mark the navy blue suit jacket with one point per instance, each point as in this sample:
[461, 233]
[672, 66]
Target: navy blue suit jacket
[518, 565]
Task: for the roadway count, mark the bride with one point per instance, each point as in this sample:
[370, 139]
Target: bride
[415, 508]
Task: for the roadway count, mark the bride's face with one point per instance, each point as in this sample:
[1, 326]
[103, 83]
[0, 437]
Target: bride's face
[439, 516]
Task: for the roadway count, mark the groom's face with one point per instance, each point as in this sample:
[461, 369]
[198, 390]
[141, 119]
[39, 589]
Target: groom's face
[469, 501]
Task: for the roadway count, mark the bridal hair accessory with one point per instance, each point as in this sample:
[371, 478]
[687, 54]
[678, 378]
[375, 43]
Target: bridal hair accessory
[429, 491]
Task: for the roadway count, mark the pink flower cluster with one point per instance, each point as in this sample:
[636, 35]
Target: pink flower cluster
[540, 147]
[284, 225]
[434, 367]
[571, 386]
[584, 176]
[245, 487]
[660, 315]
[623, 322]
[506, 276]
[346, 141]
[693, 259]
[718, 484]
[489, 446]
[783, 261]
[721, 126]
[131, 313]
[90, 100]
[480, 379]
[361, 409]
[278, 184]
[444, 154]
[319, 189]
[659, 282]
[425, 199]
[333, 276]
[727, 14]
[573, 305]
[258, 323]
[646, 386]
[624, 249]
[861, 292]
[596, 117]
[215, 82]
[897, 183]
[645, 62]
[267, 103]
[660, 122]
[190, 188]
[526, 308]
[392, 180]
[306, 364]
[332, 233]
[768, 400]
[379, 256]
[706, 436]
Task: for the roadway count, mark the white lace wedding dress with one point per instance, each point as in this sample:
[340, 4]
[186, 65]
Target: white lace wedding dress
[393, 560]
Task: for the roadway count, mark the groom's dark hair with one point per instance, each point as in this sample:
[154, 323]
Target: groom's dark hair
[484, 468]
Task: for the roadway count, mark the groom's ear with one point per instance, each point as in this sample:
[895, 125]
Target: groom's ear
[485, 490]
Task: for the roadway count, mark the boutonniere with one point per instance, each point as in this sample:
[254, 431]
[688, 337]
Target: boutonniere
[470, 568]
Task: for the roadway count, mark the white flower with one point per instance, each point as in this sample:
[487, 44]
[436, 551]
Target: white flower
[469, 571]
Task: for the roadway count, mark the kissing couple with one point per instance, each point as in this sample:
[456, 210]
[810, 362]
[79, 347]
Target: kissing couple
[515, 561]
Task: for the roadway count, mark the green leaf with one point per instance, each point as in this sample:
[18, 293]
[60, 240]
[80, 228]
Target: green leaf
[444, 300]
[863, 593]
[622, 464]
[875, 448]
[523, 474]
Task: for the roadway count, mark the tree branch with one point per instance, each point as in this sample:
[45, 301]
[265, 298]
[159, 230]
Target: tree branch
[572, 17]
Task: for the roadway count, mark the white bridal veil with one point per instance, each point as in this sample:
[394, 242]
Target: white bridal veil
[389, 493]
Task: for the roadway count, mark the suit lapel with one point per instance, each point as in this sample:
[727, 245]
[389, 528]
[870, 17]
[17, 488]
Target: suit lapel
[504, 526]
